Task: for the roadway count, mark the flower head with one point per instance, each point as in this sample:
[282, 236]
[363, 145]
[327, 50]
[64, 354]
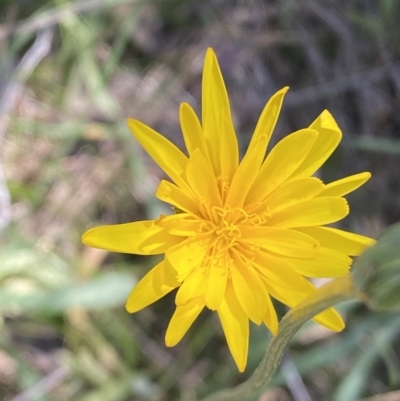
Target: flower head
[241, 232]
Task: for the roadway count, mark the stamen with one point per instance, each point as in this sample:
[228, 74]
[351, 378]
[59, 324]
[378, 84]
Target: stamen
[160, 219]
[203, 209]
[241, 211]
[205, 227]
[222, 235]
[223, 211]
[256, 219]
[223, 186]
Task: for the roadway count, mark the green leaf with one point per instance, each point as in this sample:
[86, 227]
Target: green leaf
[352, 386]
[107, 290]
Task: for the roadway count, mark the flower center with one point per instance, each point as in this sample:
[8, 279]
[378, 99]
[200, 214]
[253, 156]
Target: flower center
[222, 227]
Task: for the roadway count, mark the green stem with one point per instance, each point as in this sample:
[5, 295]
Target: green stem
[336, 291]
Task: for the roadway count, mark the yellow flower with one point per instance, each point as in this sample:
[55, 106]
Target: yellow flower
[241, 232]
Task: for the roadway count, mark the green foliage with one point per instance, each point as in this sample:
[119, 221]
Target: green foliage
[377, 272]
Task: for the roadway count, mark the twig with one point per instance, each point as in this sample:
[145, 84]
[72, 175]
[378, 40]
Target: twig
[293, 379]
[12, 92]
[392, 396]
[48, 19]
[36, 53]
[44, 386]
[333, 88]
[5, 202]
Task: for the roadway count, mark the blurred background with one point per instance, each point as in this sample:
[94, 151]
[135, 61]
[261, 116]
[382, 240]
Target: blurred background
[71, 72]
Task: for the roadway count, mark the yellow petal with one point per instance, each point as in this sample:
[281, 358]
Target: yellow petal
[267, 120]
[345, 185]
[175, 196]
[343, 241]
[187, 255]
[312, 212]
[249, 288]
[281, 241]
[329, 136]
[281, 162]
[290, 193]
[248, 168]
[192, 131]
[149, 289]
[163, 152]
[277, 272]
[331, 319]
[181, 320]
[194, 286]
[170, 276]
[328, 318]
[270, 318]
[229, 151]
[139, 237]
[216, 284]
[214, 102]
[246, 173]
[235, 324]
[201, 178]
[184, 225]
[328, 263]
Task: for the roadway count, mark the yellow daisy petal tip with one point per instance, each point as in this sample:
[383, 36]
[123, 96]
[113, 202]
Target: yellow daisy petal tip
[129, 308]
[366, 176]
[210, 52]
[182, 319]
[240, 360]
[96, 237]
[210, 60]
[284, 90]
[182, 107]
[135, 127]
[132, 123]
[337, 328]
[170, 341]
[85, 238]
[327, 121]
[331, 319]
[90, 237]
[273, 328]
[274, 331]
